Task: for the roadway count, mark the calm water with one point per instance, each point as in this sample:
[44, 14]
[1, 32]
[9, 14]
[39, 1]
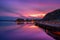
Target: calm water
[13, 31]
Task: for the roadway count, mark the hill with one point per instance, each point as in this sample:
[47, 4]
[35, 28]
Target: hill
[54, 15]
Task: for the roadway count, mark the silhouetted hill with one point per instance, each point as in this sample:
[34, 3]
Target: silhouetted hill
[55, 15]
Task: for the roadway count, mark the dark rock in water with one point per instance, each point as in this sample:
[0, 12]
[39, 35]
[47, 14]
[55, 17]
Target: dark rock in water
[55, 15]
[48, 27]
[50, 30]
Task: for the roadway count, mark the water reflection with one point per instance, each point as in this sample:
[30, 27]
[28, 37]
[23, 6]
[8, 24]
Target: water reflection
[3, 24]
[22, 31]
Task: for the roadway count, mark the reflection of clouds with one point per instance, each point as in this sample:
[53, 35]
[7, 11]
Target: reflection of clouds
[24, 31]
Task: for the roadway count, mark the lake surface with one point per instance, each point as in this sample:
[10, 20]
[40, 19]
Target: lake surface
[26, 31]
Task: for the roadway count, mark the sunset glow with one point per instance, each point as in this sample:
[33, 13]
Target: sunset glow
[34, 15]
[28, 8]
[37, 15]
[29, 19]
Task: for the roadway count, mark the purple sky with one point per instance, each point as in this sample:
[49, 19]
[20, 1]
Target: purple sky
[17, 8]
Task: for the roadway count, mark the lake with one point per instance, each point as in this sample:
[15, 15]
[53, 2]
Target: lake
[26, 31]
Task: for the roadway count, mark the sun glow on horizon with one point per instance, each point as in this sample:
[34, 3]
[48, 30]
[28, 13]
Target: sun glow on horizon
[34, 15]
[37, 15]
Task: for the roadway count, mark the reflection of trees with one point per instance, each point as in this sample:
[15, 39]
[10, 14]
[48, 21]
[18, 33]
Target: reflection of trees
[20, 20]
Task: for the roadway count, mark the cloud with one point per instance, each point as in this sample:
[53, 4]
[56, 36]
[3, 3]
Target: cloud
[23, 7]
[40, 1]
[10, 7]
[44, 9]
[5, 7]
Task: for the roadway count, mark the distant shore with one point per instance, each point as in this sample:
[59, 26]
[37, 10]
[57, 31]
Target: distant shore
[9, 20]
